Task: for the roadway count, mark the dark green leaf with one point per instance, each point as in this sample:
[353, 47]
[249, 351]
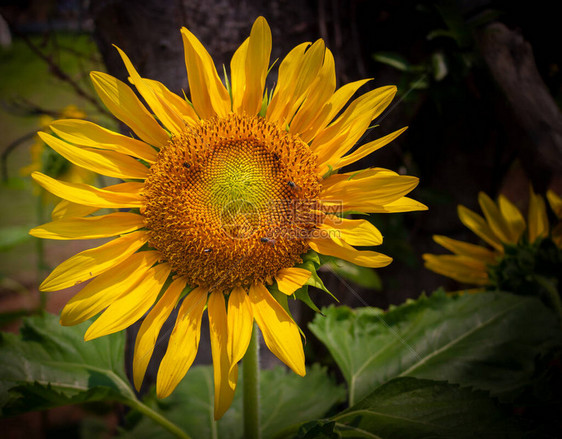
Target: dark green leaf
[48, 365]
[413, 408]
[320, 429]
[286, 399]
[489, 341]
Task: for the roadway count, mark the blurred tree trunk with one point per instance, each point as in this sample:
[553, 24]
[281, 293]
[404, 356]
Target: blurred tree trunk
[149, 32]
[511, 62]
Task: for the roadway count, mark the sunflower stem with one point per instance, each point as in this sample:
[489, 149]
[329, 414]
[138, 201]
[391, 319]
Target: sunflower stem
[158, 418]
[251, 386]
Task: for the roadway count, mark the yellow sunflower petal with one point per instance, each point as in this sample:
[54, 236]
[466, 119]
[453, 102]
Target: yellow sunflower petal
[225, 374]
[330, 150]
[179, 105]
[93, 227]
[256, 63]
[280, 332]
[479, 226]
[125, 106]
[354, 232]
[66, 209]
[334, 105]
[367, 149]
[373, 102]
[321, 90]
[537, 220]
[461, 268]
[131, 306]
[513, 218]
[403, 204]
[107, 287]
[466, 249]
[376, 190]
[90, 263]
[291, 279]
[183, 344]
[555, 203]
[169, 118]
[82, 132]
[87, 195]
[347, 129]
[495, 219]
[364, 258]
[208, 94]
[297, 72]
[238, 75]
[147, 337]
[110, 163]
[240, 322]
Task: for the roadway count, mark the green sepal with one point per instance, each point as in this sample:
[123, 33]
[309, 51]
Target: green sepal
[302, 295]
[311, 255]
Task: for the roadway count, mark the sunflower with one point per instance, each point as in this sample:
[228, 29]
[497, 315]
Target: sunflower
[518, 248]
[223, 195]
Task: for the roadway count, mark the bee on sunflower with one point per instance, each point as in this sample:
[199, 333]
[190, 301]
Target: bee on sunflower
[222, 198]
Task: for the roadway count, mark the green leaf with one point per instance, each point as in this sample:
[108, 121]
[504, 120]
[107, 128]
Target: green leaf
[48, 365]
[488, 340]
[286, 399]
[413, 408]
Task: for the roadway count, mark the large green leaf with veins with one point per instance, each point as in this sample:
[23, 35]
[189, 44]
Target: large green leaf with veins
[47, 365]
[285, 399]
[489, 341]
[410, 408]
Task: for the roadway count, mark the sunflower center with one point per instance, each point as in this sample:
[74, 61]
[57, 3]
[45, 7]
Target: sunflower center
[231, 201]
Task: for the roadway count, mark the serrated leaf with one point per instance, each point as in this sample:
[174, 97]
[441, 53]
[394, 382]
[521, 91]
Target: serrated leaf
[285, 399]
[414, 408]
[489, 341]
[48, 365]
